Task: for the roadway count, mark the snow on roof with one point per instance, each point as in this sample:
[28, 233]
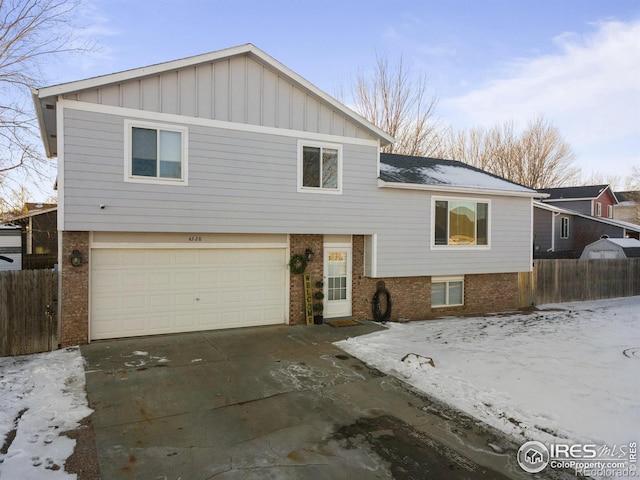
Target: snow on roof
[625, 242]
[437, 172]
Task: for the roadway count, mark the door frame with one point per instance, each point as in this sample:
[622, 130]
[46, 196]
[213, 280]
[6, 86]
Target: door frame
[328, 247]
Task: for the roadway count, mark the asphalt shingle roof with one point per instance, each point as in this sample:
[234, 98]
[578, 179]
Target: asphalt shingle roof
[587, 191]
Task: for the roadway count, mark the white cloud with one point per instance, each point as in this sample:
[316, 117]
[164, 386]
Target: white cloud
[589, 89]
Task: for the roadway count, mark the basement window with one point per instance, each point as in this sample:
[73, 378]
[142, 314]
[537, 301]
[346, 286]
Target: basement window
[447, 291]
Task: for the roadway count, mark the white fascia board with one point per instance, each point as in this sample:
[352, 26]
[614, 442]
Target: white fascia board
[454, 189]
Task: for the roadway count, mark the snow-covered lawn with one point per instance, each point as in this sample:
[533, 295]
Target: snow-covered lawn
[570, 375]
[41, 396]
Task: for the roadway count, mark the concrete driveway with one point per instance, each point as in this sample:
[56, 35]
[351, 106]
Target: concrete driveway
[272, 402]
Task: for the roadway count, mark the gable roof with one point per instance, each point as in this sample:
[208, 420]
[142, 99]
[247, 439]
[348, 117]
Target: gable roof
[584, 192]
[405, 171]
[45, 98]
[628, 198]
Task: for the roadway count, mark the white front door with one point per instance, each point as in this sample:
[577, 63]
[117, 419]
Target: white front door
[337, 282]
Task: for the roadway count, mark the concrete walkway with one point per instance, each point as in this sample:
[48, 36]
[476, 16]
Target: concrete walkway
[272, 402]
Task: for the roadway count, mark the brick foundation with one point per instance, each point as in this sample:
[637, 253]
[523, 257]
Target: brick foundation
[411, 296]
[75, 290]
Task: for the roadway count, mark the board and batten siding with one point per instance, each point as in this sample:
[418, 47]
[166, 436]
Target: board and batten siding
[236, 89]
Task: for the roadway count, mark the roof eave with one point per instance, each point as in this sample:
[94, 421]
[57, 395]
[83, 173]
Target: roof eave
[37, 105]
[456, 189]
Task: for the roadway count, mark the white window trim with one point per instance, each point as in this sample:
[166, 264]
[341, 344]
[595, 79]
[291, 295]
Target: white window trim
[598, 209]
[434, 199]
[311, 143]
[448, 280]
[562, 220]
[609, 211]
[128, 177]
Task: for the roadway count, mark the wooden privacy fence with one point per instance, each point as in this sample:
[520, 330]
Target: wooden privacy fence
[28, 306]
[557, 281]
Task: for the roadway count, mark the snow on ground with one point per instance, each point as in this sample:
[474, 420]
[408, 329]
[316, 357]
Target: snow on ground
[569, 375]
[41, 396]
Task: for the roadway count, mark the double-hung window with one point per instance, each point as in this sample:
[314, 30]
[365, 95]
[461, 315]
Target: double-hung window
[155, 153]
[447, 291]
[319, 167]
[460, 222]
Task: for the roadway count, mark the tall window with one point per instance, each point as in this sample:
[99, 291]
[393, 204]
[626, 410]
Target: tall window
[461, 222]
[609, 211]
[320, 168]
[564, 227]
[598, 209]
[156, 153]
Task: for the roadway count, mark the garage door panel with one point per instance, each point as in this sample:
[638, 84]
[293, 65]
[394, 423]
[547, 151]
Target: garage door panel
[143, 292]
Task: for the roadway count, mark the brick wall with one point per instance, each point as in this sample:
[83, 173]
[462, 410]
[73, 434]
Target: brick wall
[75, 290]
[298, 245]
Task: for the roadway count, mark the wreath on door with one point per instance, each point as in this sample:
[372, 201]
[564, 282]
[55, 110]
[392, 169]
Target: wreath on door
[298, 264]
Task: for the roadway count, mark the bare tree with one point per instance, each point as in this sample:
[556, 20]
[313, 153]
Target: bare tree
[394, 102]
[538, 157]
[31, 32]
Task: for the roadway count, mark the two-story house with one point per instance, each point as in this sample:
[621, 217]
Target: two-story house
[186, 187]
[593, 200]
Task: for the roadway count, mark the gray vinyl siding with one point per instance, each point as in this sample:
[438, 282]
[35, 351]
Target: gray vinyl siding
[404, 243]
[580, 206]
[246, 182]
[542, 220]
[236, 89]
[239, 182]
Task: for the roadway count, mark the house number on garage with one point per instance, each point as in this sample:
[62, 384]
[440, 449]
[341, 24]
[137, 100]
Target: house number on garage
[195, 238]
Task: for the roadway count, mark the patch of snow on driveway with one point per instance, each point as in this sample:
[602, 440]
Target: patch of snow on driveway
[41, 396]
[570, 375]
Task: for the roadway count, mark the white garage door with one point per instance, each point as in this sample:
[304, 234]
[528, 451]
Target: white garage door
[151, 291]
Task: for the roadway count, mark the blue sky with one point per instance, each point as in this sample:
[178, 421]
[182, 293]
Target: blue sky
[577, 62]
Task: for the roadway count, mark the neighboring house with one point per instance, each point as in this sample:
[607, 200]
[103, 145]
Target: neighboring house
[594, 200]
[562, 233]
[611, 248]
[184, 189]
[10, 249]
[628, 207]
[39, 223]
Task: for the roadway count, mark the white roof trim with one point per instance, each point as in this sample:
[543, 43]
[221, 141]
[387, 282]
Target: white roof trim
[609, 221]
[65, 88]
[454, 189]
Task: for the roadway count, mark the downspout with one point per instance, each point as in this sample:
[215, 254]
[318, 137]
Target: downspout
[553, 231]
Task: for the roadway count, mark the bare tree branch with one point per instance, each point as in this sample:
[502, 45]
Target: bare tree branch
[537, 158]
[31, 32]
[389, 99]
